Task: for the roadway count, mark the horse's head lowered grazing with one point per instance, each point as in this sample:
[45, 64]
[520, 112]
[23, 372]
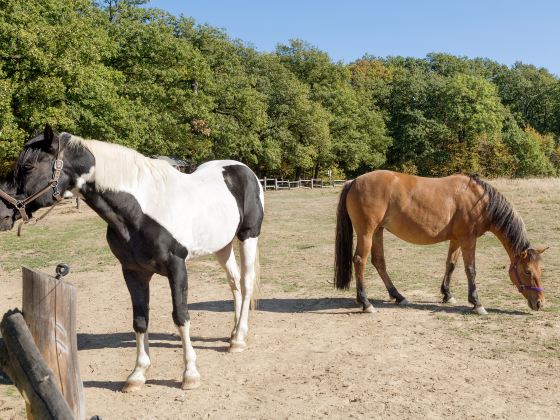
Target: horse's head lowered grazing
[525, 273]
[525, 268]
[46, 168]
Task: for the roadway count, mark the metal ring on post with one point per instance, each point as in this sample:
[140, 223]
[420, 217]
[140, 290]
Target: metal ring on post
[62, 269]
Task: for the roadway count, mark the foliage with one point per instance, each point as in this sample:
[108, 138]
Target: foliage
[119, 71]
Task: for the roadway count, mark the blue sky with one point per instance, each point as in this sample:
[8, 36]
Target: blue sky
[505, 31]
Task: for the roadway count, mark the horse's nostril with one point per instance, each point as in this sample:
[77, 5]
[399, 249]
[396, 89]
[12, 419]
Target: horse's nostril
[539, 305]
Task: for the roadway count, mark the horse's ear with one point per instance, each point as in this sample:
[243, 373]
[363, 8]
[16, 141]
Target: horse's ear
[524, 254]
[48, 136]
[541, 250]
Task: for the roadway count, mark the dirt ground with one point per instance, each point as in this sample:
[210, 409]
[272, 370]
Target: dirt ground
[311, 352]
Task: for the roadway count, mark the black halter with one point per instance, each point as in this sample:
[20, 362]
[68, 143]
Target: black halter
[58, 164]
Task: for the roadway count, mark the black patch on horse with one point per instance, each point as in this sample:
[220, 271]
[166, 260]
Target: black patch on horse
[244, 186]
[143, 247]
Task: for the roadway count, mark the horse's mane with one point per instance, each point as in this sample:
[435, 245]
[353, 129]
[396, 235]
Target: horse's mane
[30, 153]
[503, 217]
[118, 167]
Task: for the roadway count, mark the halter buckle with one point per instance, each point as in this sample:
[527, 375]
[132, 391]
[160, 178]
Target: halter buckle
[19, 204]
[58, 165]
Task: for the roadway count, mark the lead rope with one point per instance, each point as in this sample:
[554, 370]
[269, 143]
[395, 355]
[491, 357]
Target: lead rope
[33, 221]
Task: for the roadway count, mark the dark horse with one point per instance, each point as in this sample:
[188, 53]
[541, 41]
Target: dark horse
[457, 208]
[157, 219]
[8, 212]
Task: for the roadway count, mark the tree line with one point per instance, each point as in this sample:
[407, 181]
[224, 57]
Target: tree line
[119, 71]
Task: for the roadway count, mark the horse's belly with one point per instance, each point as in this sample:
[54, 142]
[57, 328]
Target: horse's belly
[211, 239]
[418, 234]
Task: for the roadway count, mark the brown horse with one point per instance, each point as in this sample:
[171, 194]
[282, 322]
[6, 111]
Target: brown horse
[457, 208]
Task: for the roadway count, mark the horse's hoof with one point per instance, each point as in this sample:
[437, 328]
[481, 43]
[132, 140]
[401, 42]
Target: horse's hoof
[479, 310]
[450, 301]
[132, 386]
[370, 309]
[237, 346]
[191, 383]
[403, 302]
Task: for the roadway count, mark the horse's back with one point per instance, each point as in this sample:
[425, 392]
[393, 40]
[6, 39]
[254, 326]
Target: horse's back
[205, 210]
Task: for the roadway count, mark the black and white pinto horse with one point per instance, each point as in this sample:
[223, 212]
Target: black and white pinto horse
[157, 219]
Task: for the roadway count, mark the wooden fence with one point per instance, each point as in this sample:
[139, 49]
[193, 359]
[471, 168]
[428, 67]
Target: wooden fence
[282, 184]
[38, 350]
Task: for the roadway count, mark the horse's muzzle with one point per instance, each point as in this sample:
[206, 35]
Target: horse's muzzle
[536, 305]
[6, 223]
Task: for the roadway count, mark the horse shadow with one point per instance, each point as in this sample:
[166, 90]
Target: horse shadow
[325, 306]
[117, 385]
[92, 341]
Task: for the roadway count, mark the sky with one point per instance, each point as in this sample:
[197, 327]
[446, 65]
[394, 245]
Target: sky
[502, 30]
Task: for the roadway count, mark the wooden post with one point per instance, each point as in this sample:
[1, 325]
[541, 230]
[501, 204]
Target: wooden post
[22, 362]
[49, 308]
[311, 183]
[275, 184]
[264, 183]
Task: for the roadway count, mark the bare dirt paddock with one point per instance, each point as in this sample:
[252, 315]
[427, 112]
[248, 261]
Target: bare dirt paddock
[311, 352]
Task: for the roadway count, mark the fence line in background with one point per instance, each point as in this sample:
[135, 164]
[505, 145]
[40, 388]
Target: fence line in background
[282, 184]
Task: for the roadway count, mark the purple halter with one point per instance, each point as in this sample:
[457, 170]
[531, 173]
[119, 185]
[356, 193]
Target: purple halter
[521, 286]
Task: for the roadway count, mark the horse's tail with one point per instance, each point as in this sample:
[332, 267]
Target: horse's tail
[254, 305]
[343, 242]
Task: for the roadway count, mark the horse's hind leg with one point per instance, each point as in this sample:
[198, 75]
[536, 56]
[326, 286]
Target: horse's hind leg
[248, 256]
[452, 256]
[378, 261]
[363, 247]
[178, 281]
[226, 258]
[138, 283]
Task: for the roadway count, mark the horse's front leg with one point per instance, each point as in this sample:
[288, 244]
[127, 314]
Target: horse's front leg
[138, 284]
[469, 250]
[452, 256]
[179, 289]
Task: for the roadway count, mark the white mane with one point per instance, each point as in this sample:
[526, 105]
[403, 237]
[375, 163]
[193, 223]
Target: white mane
[119, 168]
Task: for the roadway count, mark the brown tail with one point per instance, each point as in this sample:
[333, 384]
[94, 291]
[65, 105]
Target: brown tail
[343, 242]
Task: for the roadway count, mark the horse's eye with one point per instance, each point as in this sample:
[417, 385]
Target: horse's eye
[527, 272]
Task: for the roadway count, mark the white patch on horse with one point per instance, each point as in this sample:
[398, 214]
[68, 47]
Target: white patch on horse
[138, 376]
[197, 209]
[191, 377]
[248, 255]
[85, 178]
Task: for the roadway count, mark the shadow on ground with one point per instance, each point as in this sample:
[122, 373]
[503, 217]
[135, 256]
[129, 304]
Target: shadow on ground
[91, 341]
[323, 305]
[117, 385]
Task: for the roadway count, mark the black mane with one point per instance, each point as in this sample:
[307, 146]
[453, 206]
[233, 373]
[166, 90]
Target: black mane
[503, 217]
[30, 154]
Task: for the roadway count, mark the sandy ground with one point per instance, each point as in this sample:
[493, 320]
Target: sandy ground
[311, 352]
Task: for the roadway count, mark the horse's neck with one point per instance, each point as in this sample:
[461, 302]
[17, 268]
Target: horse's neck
[108, 205]
[506, 243]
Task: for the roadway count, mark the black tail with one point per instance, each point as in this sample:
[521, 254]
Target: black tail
[343, 242]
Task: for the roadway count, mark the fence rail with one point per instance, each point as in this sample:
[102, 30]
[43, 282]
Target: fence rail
[283, 184]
